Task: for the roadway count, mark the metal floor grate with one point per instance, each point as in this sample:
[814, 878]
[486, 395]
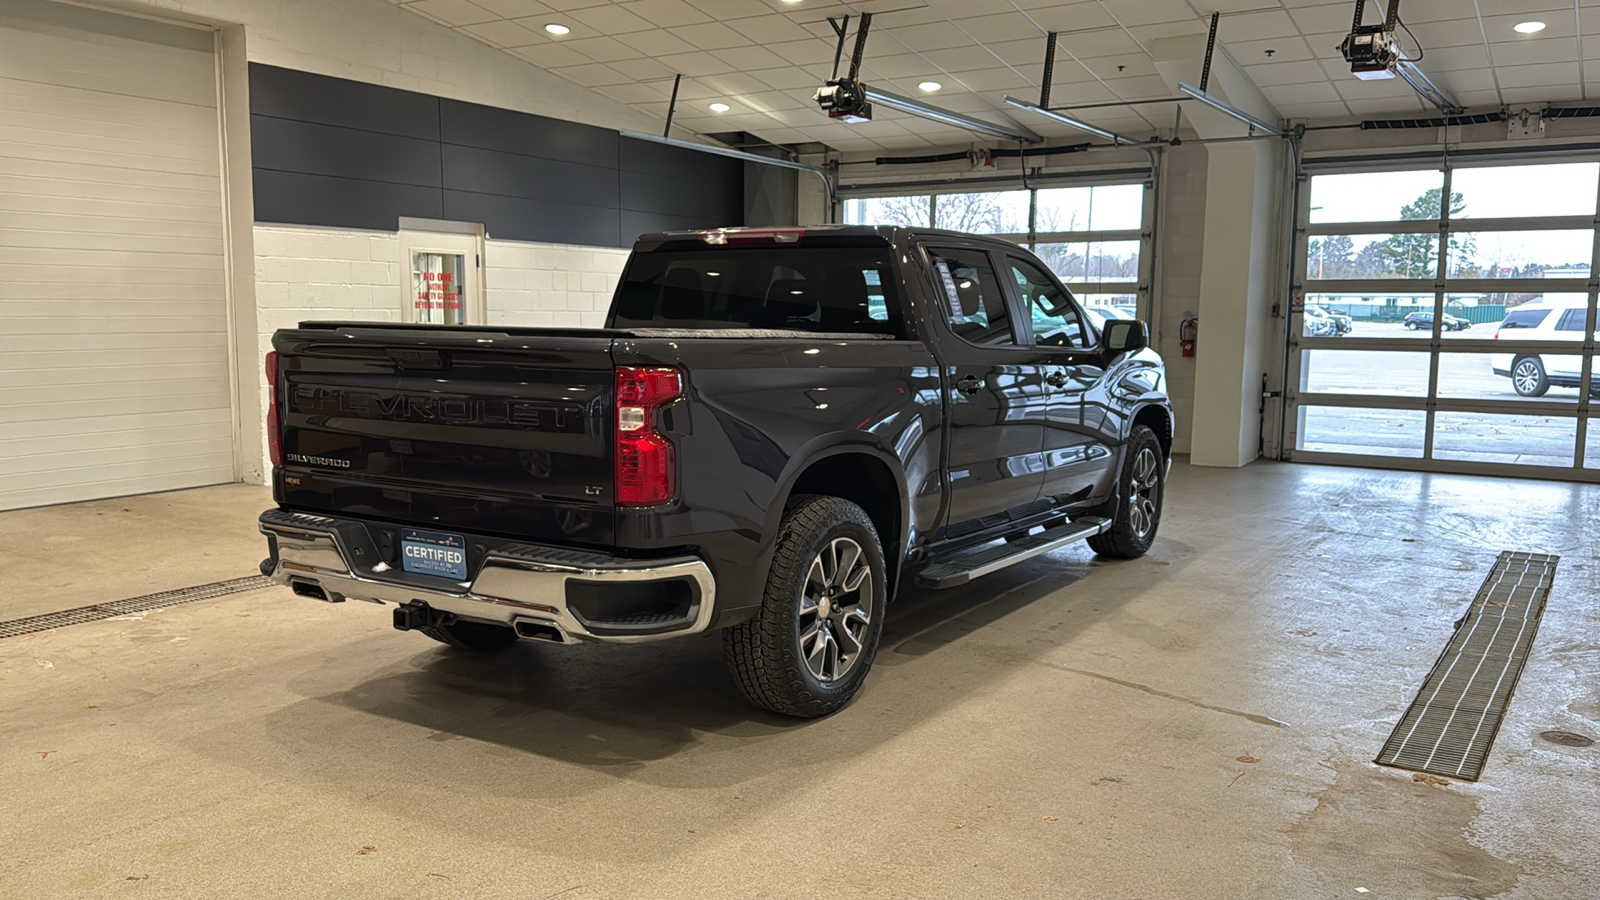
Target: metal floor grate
[148, 602]
[1453, 720]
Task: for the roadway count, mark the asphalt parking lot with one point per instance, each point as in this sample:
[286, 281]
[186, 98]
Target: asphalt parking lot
[1537, 439]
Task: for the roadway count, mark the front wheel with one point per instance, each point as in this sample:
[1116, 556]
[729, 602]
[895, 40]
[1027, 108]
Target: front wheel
[808, 650]
[1141, 488]
[1528, 377]
[1412, 326]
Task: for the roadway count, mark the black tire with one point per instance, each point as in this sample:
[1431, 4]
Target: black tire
[767, 655]
[1528, 377]
[1140, 494]
[465, 635]
[1412, 326]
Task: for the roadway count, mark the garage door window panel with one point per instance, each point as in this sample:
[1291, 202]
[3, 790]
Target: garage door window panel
[1555, 189]
[1514, 376]
[1363, 431]
[1533, 439]
[998, 212]
[1376, 196]
[1520, 254]
[1351, 372]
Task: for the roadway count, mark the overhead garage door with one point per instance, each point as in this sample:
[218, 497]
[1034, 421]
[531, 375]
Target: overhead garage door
[114, 371]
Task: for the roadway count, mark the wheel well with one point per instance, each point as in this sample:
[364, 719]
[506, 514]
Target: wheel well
[867, 482]
[1156, 419]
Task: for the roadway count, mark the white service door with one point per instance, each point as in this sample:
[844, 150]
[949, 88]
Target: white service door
[114, 369]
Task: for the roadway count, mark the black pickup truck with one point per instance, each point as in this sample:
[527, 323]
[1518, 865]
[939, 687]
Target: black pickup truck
[776, 432]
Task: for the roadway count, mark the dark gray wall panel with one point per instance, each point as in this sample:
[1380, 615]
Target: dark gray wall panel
[342, 153]
[510, 175]
[291, 94]
[518, 219]
[512, 132]
[285, 145]
[296, 198]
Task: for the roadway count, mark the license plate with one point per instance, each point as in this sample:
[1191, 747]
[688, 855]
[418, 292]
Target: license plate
[433, 553]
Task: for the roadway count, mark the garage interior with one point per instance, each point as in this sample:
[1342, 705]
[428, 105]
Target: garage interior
[1353, 268]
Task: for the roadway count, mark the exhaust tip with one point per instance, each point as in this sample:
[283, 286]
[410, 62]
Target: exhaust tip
[540, 631]
[313, 590]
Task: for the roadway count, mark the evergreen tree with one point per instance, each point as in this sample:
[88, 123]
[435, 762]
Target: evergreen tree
[1417, 255]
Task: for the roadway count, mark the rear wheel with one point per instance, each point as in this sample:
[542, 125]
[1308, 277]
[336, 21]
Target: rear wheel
[808, 650]
[471, 635]
[1528, 377]
[1141, 487]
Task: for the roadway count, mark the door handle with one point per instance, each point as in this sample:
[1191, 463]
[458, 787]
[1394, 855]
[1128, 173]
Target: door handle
[1057, 379]
[970, 384]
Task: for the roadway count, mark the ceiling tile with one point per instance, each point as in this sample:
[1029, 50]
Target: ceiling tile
[1327, 17]
[1071, 17]
[515, 9]
[1564, 74]
[747, 58]
[453, 12]
[1286, 97]
[731, 84]
[904, 65]
[1256, 26]
[1148, 33]
[1099, 43]
[602, 49]
[593, 75]
[643, 69]
[1457, 33]
[770, 29]
[635, 92]
[550, 55]
[1318, 111]
[1121, 67]
[728, 10]
[666, 13]
[1521, 54]
[1150, 12]
[1251, 53]
[931, 36]
[1287, 73]
[804, 53]
[505, 34]
[569, 5]
[696, 64]
[1446, 59]
[1006, 26]
[788, 78]
[611, 20]
[710, 36]
[962, 59]
[996, 79]
[656, 43]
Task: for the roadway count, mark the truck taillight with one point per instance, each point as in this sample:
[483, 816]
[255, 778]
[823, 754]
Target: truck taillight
[274, 427]
[646, 466]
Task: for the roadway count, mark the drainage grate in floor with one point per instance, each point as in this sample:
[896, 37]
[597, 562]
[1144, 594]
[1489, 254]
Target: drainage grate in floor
[1453, 721]
[148, 602]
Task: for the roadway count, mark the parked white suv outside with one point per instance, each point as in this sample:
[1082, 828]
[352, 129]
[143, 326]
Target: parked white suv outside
[1532, 375]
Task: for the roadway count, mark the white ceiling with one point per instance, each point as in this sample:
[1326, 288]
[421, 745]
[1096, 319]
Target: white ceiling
[765, 58]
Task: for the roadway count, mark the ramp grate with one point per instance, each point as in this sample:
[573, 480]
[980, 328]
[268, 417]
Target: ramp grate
[99, 611]
[1453, 720]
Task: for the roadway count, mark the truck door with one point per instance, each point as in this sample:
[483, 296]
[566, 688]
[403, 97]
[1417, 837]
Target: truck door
[1078, 435]
[995, 399]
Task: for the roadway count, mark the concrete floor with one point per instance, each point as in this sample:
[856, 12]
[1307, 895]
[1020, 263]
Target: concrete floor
[1065, 728]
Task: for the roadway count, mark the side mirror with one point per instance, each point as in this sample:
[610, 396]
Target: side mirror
[1124, 336]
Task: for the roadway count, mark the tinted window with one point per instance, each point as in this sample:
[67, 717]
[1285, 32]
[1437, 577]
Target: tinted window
[1571, 320]
[977, 305]
[796, 289]
[1524, 318]
[1056, 320]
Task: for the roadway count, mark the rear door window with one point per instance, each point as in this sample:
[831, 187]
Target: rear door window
[1524, 318]
[1571, 320]
[829, 290]
[975, 301]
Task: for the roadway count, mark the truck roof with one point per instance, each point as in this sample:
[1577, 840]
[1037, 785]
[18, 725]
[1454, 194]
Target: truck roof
[833, 235]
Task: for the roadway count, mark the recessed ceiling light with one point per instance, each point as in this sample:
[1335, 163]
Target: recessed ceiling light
[1528, 27]
[929, 86]
[553, 28]
[719, 107]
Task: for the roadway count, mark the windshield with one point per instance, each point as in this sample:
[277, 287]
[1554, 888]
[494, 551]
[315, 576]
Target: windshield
[828, 290]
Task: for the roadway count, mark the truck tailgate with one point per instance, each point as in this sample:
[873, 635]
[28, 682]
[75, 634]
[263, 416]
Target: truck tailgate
[474, 430]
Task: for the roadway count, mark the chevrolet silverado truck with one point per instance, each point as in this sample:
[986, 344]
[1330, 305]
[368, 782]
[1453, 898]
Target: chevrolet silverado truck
[777, 432]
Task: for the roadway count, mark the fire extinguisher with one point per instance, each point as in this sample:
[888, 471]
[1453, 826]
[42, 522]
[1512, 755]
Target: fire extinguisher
[1187, 332]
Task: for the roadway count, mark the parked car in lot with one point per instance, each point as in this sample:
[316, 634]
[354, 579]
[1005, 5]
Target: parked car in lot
[777, 431]
[1533, 374]
[1342, 323]
[1423, 321]
[1316, 323]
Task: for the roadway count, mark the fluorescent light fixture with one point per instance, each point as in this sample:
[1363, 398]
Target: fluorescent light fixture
[929, 87]
[1229, 109]
[719, 107]
[554, 28]
[1065, 119]
[949, 117]
[733, 154]
[1528, 27]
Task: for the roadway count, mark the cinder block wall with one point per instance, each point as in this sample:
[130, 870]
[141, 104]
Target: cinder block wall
[1180, 250]
[318, 274]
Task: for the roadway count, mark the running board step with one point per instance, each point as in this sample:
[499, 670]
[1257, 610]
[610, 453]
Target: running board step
[985, 560]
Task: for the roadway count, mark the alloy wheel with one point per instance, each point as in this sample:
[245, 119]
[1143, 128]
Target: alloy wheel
[836, 606]
[1142, 492]
[1526, 376]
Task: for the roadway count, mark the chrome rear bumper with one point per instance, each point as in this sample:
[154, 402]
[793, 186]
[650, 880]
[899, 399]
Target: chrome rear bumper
[522, 585]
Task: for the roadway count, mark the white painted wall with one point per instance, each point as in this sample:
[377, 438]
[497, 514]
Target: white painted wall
[336, 274]
[378, 42]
